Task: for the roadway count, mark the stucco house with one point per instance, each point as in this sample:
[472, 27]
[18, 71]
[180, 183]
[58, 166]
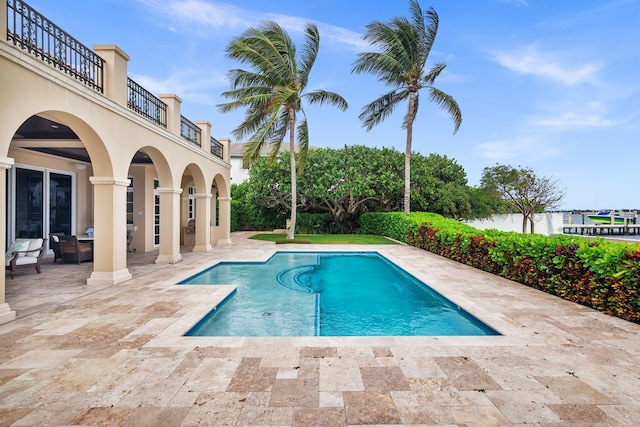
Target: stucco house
[84, 147]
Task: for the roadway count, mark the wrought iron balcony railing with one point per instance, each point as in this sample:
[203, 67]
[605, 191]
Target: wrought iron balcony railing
[31, 31]
[189, 131]
[216, 148]
[146, 104]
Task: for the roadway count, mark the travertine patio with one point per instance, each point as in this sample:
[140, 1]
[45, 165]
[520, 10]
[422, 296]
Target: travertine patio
[81, 355]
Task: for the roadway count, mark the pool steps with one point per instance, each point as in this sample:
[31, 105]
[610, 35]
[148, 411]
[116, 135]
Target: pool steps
[296, 279]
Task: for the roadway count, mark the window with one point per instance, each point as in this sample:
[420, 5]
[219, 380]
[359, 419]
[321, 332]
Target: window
[191, 208]
[156, 213]
[39, 201]
[130, 211]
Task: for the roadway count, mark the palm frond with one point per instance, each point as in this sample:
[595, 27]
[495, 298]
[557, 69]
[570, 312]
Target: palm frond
[382, 65]
[416, 104]
[325, 97]
[264, 135]
[302, 131]
[245, 49]
[278, 131]
[254, 121]
[309, 54]
[277, 44]
[254, 98]
[433, 74]
[381, 108]
[272, 88]
[406, 48]
[251, 153]
[432, 31]
[417, 19]
[447, 103]
[267, 49]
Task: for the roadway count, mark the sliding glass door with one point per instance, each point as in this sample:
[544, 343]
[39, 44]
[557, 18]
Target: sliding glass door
[40, 201]
[29, 193]
[60, 197]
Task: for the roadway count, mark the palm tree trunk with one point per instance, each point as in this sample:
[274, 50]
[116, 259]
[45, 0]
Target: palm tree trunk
[294, 186]
[407, 155]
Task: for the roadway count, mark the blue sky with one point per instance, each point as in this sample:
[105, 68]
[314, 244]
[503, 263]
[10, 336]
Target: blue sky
[547, 84]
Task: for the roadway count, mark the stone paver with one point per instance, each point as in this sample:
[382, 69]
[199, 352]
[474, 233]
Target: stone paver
[116, 355]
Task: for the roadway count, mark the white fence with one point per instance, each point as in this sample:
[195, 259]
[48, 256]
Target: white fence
[546, 223]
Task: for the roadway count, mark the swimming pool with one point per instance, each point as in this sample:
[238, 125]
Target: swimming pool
[328, 294]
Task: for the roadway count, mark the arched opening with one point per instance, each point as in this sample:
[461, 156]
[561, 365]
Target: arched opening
[149, 172]
[195, 213]
[48, 188]
[49, 161]
[221, 210]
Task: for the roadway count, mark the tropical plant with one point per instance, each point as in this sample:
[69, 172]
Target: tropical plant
[522, 190]
[272, 92]
[597, 273]
[344, 183]
[401, 64]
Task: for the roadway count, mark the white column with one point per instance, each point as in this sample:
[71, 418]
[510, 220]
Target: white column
[224, 221]
[173, 112]
[205, 135]
[203, 223]
[110, 231]
[115, 72]
[169, 225]
[6, 314]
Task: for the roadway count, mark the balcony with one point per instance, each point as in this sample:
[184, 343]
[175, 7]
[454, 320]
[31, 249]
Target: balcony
[146, 104]
[30, 31]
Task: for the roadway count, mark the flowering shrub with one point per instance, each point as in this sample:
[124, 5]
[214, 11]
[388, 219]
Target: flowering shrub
[596, 273]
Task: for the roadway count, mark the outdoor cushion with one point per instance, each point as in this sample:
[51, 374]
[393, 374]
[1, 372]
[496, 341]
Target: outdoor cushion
[22, 260]
[18, 245]
[34, 246]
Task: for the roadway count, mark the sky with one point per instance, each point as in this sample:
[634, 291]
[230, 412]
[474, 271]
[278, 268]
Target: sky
[545, 84]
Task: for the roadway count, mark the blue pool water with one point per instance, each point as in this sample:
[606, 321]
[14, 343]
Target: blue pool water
[328, 294]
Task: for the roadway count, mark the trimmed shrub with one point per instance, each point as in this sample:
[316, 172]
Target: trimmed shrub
[596, 273]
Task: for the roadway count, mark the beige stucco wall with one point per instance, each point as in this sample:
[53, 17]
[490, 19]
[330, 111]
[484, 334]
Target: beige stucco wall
[111, 134]
[84, 191]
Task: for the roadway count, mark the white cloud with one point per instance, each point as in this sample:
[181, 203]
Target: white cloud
[567, 117]
[523, 149]
[199, 15]
[550, 65]
[571, 120]
[207, 17]
[189, 85]
[216, 16]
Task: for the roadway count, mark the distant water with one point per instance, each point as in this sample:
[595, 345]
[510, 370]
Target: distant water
[583, 218]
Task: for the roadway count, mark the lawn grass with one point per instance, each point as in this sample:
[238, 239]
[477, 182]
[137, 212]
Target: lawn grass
[328, 239]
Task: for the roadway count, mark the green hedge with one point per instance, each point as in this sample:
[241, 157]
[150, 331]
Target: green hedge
[596, 273]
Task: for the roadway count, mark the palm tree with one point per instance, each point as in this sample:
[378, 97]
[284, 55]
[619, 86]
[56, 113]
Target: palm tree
[272, 93]
[401, 63]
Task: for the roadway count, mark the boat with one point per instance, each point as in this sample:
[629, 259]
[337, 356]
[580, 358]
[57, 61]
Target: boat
[605, 217]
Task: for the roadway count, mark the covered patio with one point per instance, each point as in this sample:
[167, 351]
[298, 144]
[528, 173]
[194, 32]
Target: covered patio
[29, 293]
[84, 149]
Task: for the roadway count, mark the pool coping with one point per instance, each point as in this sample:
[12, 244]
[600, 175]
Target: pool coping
[174, 335]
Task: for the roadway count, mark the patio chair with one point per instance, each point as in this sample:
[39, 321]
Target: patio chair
[54, 245]
[24, 253]
[74, 251]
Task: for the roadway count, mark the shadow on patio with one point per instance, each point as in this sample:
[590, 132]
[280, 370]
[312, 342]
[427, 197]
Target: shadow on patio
[29, 292]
